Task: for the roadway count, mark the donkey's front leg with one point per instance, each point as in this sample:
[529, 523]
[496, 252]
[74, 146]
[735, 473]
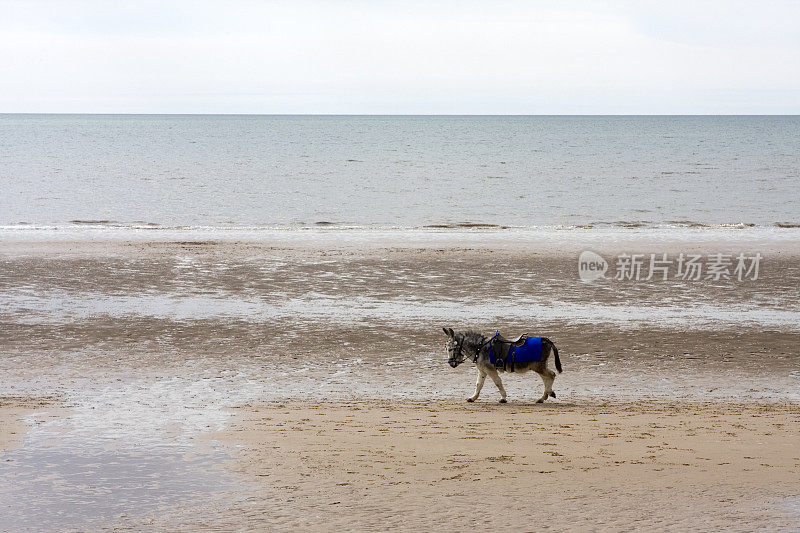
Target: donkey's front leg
[496, 378]
[478, 386]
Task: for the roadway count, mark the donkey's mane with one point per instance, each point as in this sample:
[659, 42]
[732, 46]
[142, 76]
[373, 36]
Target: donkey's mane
[473, 337]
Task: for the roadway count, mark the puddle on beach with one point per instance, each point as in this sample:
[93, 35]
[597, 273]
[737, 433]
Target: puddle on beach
[792, 507]
[119, 454]
[56, 487]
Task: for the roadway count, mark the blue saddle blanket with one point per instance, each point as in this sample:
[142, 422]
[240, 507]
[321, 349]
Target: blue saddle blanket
[528, 352]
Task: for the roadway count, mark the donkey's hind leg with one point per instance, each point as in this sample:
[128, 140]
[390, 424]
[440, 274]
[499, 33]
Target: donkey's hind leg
[496, 378]
[548, 376]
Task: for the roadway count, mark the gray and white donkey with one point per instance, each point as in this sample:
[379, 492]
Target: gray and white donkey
[476, 346]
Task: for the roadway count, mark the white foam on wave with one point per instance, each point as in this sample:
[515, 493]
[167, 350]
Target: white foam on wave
[371, 236]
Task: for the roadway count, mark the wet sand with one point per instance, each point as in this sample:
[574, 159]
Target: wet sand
[254, 384]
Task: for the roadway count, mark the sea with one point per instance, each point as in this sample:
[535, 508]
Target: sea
[234, 172]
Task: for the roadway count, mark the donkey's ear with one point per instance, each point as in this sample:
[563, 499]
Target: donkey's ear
[448, 332]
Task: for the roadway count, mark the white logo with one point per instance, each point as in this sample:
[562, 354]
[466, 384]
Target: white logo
[591, 266]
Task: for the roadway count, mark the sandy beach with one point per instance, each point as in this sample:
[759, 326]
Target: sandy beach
[573, 466]
[565, 466]
[301, 381]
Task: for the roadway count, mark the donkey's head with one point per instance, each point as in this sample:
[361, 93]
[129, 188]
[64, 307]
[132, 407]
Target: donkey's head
[455, 347]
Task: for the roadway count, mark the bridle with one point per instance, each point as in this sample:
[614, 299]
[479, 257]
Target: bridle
[457, 357]
[461, 358]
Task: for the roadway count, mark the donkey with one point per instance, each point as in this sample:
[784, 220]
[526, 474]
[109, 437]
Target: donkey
[476, 346]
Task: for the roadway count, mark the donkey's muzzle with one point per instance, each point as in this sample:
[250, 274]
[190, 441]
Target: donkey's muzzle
[453, 363]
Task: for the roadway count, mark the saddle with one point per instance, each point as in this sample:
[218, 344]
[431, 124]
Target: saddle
[522, 349]
[517, 341]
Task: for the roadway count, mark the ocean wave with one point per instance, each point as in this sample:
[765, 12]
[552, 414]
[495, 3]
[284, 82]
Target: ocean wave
[694, 224]
[584, 235]
[625, 223]
[462, 225]
[324, 225]
[93, 222]
[112, 223]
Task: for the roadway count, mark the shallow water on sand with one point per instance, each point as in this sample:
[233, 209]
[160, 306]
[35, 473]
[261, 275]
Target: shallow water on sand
[61, 308]
[120, 451]
[53, 487]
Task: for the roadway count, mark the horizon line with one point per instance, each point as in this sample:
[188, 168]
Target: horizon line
[412, 114]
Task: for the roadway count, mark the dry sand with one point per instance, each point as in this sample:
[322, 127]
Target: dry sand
[562, 466]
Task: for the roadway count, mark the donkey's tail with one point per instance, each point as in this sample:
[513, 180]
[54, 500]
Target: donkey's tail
[555, 352]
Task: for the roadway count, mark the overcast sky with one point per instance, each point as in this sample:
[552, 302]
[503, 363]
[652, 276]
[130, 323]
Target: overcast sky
[408, 56]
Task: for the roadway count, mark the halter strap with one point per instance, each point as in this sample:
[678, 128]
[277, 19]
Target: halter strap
[489, 340]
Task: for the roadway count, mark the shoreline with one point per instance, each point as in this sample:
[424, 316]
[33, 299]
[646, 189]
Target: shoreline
[327, 236]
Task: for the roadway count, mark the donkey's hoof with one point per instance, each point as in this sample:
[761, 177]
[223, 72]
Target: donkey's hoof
[540, 400]
[552, 394]
[470, 400]
[502, 400]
